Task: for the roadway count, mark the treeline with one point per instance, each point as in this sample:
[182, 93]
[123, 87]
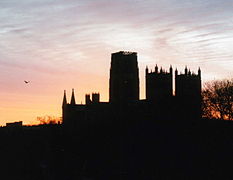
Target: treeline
[49, 119]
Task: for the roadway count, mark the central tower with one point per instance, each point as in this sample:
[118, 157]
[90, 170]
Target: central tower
[124, 80]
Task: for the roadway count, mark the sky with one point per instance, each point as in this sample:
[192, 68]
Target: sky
[65, 44]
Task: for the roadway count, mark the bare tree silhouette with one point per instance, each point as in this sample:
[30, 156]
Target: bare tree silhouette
[218, 99]
[48, 119]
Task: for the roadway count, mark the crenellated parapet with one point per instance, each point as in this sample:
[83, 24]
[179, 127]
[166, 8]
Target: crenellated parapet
[188, 73]
[94, 99]
[188, 84]
[158, 71]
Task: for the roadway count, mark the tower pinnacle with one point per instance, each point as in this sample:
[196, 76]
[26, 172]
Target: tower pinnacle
[72, 102]
[170, 69]
[147, 70]
[199, 72]
[176, 72]
[186, 70]
[156, 69]
[64, 99]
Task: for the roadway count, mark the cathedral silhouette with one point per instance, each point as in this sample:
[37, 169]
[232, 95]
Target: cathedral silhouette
[162, 103]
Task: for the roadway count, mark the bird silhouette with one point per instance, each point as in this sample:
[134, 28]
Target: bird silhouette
[26, 82]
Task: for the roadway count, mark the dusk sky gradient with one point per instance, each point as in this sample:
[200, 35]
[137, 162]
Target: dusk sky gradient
[65, 44]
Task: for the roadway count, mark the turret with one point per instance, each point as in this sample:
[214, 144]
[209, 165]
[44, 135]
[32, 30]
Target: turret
[156, 69]
[186, 70]
[72, 102]
[87, 99]
[161, 70]
[170, 69]
[95, 97]
[176, 72]
[147, 70]
[199, 72]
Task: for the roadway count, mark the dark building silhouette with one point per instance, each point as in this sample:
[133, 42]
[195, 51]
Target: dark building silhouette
[188, 85]
[158, 85]
[124, 80]
[161, 103]
[15, 124]
[188, 92]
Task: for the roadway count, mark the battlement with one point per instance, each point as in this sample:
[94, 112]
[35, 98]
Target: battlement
[92, 100]
[159, 72]
[188, 73]
[125, 53]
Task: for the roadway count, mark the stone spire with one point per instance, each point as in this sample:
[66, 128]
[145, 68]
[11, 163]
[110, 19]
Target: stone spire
[72, 101]
[64, 99]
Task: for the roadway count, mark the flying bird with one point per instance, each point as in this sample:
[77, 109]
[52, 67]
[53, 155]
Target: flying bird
[26, 82]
